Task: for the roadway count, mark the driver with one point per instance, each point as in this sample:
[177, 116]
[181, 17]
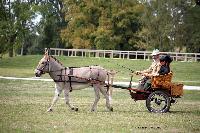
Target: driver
[150, 71]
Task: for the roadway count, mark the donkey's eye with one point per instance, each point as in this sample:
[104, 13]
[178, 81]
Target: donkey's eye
[43, 63]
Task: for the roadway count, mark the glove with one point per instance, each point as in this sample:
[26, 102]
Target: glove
[138, 72]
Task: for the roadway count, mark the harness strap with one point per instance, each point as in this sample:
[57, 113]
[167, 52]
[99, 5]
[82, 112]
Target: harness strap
[60, 76]
[71, 81]
[70, 78]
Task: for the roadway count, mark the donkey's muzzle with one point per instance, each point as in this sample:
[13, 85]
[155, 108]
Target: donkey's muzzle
[38, 73]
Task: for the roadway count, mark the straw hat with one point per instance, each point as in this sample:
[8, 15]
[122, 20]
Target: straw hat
[155, 52]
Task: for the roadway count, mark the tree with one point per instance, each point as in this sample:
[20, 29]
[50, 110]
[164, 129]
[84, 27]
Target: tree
[163, 24]
[16, 25]
[7, 30]
[23, 23]
[47, 31]
[22, 35]
[126, 25]
[191, 20]
[101, 24]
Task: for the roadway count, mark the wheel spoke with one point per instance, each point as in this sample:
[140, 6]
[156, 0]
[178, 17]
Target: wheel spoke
[158, 102]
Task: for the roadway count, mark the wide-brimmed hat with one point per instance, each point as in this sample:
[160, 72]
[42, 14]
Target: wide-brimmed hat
[155, 52]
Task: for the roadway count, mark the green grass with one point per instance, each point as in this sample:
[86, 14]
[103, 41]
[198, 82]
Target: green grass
[23, 66]
[23, 106]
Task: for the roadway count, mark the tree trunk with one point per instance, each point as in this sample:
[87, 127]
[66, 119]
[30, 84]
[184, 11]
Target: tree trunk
[10, 51]
[22, 49]
[11, 47]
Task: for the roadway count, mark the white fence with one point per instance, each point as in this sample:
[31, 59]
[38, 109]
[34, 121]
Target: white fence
[146, 55]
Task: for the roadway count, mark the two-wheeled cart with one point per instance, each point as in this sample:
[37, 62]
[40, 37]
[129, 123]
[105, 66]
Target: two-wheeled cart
[160, 95]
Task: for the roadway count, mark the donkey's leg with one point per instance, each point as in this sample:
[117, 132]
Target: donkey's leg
[56, 96]
[66, 93]
[97, 97]
[106, 95]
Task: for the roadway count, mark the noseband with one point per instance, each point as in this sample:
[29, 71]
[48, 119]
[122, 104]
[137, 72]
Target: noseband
[42, 69]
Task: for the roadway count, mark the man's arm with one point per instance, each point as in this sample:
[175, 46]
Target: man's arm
[149, 70]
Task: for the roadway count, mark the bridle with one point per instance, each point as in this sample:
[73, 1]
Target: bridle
[49, 68]
[45, 64]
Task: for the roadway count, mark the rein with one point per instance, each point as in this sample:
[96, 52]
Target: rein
[125, 67]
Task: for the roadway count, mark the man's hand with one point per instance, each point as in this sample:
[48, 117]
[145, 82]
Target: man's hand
[138, 72]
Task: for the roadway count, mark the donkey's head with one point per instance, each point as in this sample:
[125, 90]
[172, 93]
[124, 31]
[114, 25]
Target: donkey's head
[43, 65]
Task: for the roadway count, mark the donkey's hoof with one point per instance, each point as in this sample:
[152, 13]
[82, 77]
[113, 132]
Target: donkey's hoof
[49, 110]
[111, 109]
[93, 110]
[75, 109]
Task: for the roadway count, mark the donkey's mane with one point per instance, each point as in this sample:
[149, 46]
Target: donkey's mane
[56, 60]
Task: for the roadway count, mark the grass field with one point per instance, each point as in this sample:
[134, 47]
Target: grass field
[23, 104]
[23, 66]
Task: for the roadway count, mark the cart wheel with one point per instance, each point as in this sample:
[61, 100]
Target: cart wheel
[158, 102]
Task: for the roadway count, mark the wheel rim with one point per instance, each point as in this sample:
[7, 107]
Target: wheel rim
[158, 102]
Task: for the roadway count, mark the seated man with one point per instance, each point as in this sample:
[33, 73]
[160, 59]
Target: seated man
[155, 64]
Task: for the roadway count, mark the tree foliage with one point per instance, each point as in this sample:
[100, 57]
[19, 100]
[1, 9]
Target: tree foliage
[99, 24]
[21, 34]
[192, 29]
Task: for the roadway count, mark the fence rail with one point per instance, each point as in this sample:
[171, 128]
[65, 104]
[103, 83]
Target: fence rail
[146, 55]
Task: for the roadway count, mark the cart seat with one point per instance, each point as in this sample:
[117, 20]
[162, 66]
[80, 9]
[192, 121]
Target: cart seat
[162, 81]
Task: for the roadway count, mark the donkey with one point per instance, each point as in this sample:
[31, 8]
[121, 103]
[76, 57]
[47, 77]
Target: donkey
[68, 79]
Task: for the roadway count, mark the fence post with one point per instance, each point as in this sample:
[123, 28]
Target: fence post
[112, 54]
[185, 58]
[195, 57]
[136, 55]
